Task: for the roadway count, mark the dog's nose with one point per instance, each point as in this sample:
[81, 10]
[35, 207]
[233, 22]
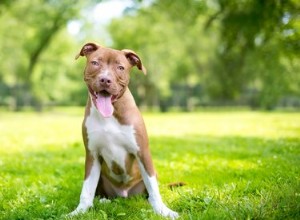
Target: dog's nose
[105, 81]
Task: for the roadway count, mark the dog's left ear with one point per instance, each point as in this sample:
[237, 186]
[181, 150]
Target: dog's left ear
[87, 49]
[134, 60]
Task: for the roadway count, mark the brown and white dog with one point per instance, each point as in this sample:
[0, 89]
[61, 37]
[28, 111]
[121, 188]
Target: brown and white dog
[118, 160]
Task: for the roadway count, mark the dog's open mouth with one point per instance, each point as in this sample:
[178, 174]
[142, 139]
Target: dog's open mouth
[103, 101]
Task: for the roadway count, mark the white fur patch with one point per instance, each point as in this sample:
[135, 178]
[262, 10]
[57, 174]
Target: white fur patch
[105, 73]
[88, 189]
[113, 141]
[154, 196]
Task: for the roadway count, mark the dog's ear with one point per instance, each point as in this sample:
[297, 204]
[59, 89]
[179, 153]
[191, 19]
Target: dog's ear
[87, 49]
[134, 60]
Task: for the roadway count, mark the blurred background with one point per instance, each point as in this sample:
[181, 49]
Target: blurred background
[198, 53]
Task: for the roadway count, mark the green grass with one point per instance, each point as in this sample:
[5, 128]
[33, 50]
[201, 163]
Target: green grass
[237, 165]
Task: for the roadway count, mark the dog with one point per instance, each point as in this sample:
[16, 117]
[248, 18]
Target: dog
[118, 161]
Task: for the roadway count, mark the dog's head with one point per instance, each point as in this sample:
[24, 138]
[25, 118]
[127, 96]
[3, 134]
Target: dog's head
[107, 74]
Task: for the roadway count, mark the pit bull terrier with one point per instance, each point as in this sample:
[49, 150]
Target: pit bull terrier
[118, 160]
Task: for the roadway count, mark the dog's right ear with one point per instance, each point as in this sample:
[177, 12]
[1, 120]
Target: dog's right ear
[87, 49]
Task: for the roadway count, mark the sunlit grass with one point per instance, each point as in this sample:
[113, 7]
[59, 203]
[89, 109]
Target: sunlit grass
[237, 165]
[243, 124]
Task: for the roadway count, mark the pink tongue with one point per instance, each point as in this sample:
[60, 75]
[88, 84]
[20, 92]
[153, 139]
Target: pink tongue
[104, 105]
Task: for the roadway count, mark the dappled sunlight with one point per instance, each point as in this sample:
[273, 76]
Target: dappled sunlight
[233, 163]
[29, 131]
[199, 169]
[243, 124]
[221, 102]
[241, 165]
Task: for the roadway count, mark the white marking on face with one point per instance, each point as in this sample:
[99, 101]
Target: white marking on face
[105, 73]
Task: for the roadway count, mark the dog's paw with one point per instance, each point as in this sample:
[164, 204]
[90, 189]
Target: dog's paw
[72, 214]
[81, 208]
[166, 212]
[75, 212]
[161, 209]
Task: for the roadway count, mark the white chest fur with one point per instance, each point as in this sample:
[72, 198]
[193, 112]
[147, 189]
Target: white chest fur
[111, 140]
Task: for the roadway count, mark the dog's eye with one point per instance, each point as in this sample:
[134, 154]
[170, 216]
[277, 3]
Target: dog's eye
[121, 68]
[95, 63]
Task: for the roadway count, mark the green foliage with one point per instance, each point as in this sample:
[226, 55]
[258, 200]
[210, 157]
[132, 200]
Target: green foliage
[205, 52]
[253, 49]
[236, 51]
[166, 35]
[234, 167]
[37, 51]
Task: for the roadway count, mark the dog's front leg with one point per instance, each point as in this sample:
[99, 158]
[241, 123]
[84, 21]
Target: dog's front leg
[92, 175]
[154, 196]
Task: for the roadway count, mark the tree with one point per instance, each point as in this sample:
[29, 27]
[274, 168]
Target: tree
[30, 27]
[164, 34]
[234, 51]
[196, 52]
[258, 41]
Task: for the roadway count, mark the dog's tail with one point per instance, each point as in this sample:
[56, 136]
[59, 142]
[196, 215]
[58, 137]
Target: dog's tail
[174, 185]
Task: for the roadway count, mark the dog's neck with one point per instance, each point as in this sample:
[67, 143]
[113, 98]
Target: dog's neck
[124, 107]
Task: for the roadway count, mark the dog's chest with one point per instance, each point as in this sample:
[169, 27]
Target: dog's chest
[112, 141]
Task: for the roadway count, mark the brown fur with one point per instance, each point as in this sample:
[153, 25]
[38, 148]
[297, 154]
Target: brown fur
[125, 111]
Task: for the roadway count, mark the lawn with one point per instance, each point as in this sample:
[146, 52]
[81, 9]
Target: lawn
[236, 165]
